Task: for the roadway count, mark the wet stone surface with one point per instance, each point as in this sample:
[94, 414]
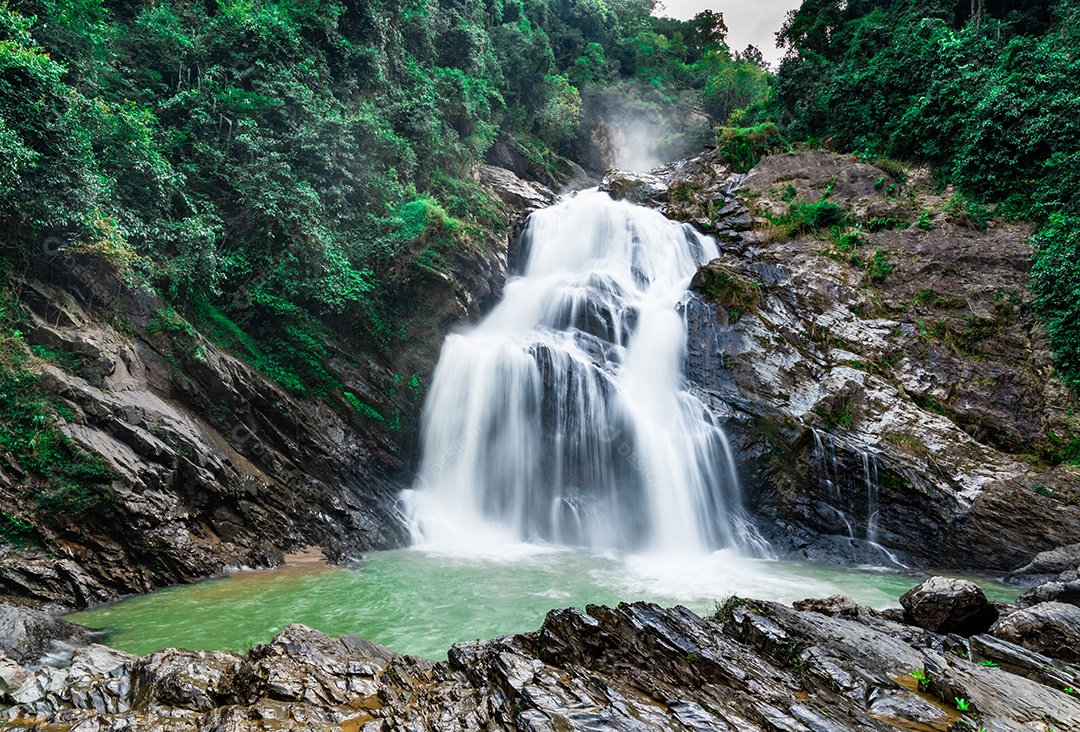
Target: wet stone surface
[832, 665]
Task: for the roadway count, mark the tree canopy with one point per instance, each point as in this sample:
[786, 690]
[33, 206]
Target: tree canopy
[309, 155]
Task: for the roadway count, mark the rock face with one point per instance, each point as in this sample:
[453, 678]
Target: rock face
[945, 605]
[884, 381]
[212, 463]
[754, 666]
[1050, 628]
[27, 635]
[1063, 588]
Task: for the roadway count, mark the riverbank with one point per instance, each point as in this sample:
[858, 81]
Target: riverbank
[820, 665]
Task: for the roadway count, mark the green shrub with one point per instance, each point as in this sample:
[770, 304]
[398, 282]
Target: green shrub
[743, 147]
[809, 218]
[847, 240]
[968, 212]
[879, 266]
[1055, 284]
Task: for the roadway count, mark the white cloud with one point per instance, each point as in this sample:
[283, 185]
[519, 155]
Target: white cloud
[748, 21]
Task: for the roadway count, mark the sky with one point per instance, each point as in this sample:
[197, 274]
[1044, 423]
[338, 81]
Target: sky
[748, 21]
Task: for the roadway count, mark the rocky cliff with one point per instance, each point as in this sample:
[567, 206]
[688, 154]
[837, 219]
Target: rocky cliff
[871, 343]
[867, 337]
[200, 461]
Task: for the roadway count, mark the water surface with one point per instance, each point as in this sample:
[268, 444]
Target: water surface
[422, 602]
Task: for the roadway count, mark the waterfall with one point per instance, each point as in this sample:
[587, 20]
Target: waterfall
[870, 478]
[564, 416]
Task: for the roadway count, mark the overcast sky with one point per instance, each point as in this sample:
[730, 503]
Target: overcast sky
[748, 21]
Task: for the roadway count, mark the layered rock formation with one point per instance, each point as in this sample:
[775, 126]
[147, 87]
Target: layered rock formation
[828, 667]
[212, 463]
[876, 356]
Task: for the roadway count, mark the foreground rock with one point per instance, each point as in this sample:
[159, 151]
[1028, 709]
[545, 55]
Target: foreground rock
[946, 605]
[1050, 628]
[28, 635]
[754, 666]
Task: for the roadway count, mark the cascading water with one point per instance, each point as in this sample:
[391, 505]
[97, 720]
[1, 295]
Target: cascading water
[870, 478]
[563, 417]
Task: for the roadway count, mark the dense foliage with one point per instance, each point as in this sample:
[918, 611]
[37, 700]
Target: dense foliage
[988, 91]
[278, 169]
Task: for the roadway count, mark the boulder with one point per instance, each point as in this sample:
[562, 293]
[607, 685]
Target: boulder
[1064, 588]
[947, 605]
[28, 635]
[1050, 628]
[836, 605]
[1054, 561]
[183, 679]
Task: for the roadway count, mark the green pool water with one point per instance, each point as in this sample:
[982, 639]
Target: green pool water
[421, 603]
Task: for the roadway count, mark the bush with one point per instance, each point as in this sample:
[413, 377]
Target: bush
[1055, 283]
[810, 218]
[743, 147]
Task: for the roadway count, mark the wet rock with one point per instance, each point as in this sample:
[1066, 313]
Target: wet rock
[526, 196]
[835, 605]
[755, 667]
[1049, 628]
[194, 680]
[12, 675]
[27, 635]
[1054, 561]
[1064, 588]
[946, 605]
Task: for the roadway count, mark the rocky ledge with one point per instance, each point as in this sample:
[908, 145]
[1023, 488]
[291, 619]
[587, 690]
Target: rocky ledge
[822, 666]
[871, 343]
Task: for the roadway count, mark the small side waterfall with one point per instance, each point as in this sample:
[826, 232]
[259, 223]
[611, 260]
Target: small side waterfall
[840, 465]
[870, 478]
[563, 417]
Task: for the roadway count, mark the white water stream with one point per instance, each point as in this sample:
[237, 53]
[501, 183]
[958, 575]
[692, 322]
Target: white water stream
[564, 416]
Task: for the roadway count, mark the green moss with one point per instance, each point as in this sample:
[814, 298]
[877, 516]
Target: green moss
[931, 404]
[17, 531]
[938, 300]
[838, 413]
[893, 168]
[886, 223]
[365, 411]
[733, 293]
[72, 363]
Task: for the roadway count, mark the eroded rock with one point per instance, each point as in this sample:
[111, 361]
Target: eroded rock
[882, 389]
[947, 605]
[27, 635]
[754, 667]
[1050, 628]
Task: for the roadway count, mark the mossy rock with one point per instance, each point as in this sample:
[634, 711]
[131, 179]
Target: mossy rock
[719, 285]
